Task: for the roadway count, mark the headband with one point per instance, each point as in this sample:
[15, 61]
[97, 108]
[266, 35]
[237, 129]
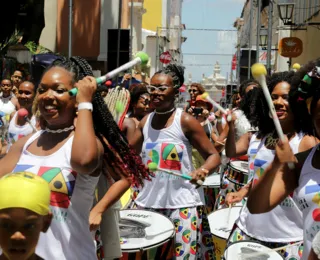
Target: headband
[25, 190]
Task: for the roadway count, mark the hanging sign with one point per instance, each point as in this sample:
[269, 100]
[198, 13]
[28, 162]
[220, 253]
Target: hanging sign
[290, 47]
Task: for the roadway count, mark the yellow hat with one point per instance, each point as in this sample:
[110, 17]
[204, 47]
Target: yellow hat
[25, 190]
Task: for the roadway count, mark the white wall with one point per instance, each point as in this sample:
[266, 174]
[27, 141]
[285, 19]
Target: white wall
[108, 20]
[48, 37]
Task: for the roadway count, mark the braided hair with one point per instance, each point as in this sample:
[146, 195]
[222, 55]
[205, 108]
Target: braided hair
[176, 72]
[117, 152]
[118, 95]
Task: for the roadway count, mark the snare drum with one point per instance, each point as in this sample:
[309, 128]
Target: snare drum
[221, 229]
[234, 178]
[250, 250]
[237, 172]
[146, 235]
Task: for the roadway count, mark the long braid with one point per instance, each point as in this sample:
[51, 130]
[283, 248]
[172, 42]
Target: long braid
[118, 154]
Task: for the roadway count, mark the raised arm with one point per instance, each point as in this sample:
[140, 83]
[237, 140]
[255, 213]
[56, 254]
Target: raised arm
[87, 151]
[233, 148]
[278, 181]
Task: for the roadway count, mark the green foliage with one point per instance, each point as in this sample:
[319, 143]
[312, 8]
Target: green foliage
[35, 48]
[12, 40]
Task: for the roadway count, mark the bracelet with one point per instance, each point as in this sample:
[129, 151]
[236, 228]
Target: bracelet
[85, 105]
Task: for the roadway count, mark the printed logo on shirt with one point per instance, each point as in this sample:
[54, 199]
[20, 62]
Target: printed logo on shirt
[313, 190]
[167, 157]
[61, 183]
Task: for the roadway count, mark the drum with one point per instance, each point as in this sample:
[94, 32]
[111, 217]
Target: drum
[212, 181]
[146, 235]
[221, 223]
[211, 187]
[250, 250]
[237, 172]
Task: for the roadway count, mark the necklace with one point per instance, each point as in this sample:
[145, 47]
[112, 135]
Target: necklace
[58, 131]
[164, 113]
[272, 141]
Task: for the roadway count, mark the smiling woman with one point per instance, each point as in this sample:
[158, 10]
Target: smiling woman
[283, 225]
[165, 137]
[70, 157]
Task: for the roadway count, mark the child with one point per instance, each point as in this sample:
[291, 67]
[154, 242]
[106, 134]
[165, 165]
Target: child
[24, 213]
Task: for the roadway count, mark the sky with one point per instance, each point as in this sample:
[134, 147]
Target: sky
[209, 14]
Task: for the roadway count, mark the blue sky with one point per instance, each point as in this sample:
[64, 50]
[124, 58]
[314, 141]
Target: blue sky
[209, 14]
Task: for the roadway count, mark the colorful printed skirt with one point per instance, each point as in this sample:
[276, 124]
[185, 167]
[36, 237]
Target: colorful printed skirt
[289, 253]
[193, 239]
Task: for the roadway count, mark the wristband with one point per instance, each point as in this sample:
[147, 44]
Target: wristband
[85, 105]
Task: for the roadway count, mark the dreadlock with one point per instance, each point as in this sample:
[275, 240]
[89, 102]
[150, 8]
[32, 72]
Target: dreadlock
[121, 95]
[118, 154]
[176, 72]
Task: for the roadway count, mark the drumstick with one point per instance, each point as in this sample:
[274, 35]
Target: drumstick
[154, 167]
[206, 96]
[259, 72]
[254, 254]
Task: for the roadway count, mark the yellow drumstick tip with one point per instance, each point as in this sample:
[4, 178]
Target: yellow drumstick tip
[258, 69]
[296, 66]
[205, 95]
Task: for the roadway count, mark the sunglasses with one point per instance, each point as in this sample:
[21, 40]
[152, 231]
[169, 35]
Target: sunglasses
[151, 89]
[193, 90]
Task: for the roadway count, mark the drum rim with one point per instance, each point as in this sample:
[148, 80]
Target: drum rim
[149, 247]
[216, 211]
[234, 168]
[250, 241]
[234, 182]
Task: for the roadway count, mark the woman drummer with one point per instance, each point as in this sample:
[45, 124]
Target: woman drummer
[165, 137]
[70, 159]
[302, 179]
[283, 225]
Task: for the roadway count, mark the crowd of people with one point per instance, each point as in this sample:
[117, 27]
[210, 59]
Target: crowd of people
[92, 148]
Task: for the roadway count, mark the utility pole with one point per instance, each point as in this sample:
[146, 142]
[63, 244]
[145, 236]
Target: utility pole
[118, 40]
[70, 29]
[258, 29]
[270, 14]
[250, 35]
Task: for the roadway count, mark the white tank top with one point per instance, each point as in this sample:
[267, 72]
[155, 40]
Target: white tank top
[6, 106]
[170, 150]
[283, 224]
[308, 199]
[15, 132]
[72, 194]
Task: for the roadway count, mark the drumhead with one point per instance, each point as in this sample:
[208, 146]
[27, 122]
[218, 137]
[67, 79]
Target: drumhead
[250, 250]
[219, 218]
[240, 166]
[212, 180]
[158, 230]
